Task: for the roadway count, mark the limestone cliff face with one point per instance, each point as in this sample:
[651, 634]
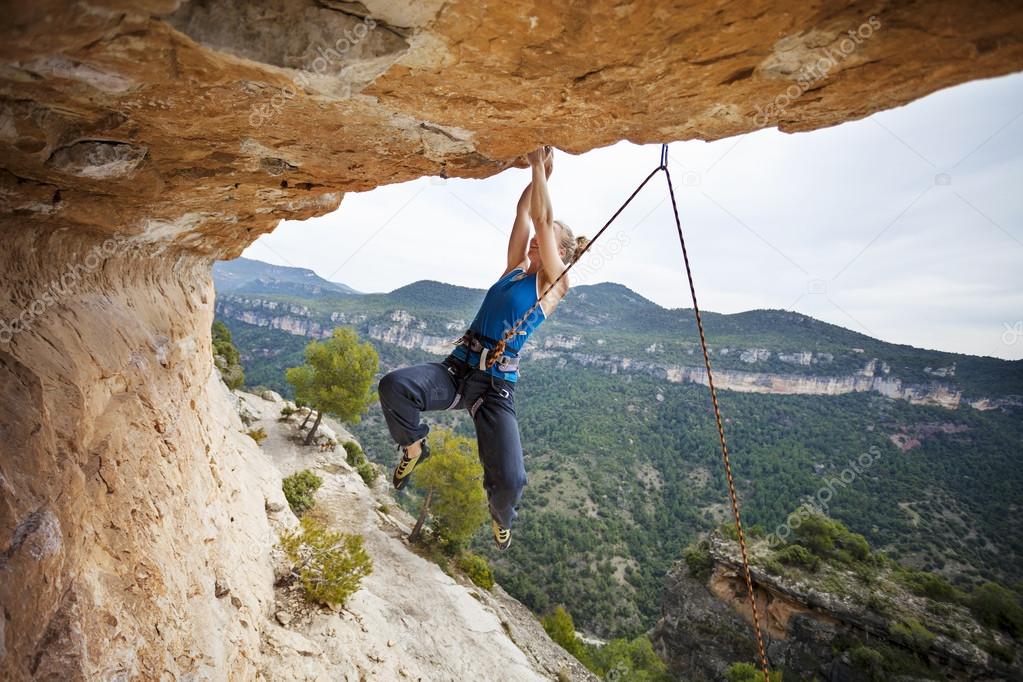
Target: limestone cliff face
[138, 140]
[399, 331]
[404, 331]
[781, 384]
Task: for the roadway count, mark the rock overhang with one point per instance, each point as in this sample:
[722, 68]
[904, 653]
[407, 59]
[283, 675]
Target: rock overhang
[229, 116]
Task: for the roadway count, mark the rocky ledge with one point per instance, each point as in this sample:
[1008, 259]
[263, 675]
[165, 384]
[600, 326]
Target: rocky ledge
[409, 620]
[818, 625]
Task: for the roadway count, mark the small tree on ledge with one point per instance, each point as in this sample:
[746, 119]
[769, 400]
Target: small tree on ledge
[335, 378]
[329, 564]
[453, 480]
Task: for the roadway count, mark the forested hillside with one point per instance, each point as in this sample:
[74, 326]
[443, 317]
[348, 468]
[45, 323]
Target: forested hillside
[621, 449]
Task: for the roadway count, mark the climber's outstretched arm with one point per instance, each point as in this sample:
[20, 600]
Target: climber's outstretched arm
[542, 214]
[518, 242]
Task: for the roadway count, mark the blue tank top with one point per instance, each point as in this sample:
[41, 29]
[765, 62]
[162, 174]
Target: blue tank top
[505, 303]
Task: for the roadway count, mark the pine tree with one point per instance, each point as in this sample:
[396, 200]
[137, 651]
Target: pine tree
[453, 480]
[336, 377]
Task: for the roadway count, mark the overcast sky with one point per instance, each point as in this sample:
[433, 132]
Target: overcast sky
[907, 225]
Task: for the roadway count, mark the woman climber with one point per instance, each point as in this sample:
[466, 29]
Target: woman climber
[481, 372]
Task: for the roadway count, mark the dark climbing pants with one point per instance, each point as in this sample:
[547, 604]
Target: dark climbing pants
[449, 385]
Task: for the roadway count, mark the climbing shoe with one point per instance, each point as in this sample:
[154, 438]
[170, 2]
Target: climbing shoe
[408, 463]
[502, 536]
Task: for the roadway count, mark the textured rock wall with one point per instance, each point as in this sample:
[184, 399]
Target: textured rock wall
[188, 129]
[130, 498]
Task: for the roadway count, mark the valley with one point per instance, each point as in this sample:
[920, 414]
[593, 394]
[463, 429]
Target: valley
[621, 450]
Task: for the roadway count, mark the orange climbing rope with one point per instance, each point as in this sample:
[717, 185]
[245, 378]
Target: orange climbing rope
[499, 350]
[721, 429]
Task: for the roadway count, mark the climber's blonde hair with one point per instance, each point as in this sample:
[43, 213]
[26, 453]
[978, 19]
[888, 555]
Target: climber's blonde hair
[572, 245]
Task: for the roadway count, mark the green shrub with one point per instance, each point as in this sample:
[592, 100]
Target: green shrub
[258, 435]
[853, 543]
[827, 537]
[797, 555]
[330, 565]
[368, 472]
[561, 629]
[869, 661]
[914, 632]
[287, 411]
[477, 568]
[997, 607]
[299, 490]
[699, 561]
[816, 533]
[353, 453]
[747, 672]
[225, 356]
[928, 585]
[773, 566]
[628, 659]
[357, 458]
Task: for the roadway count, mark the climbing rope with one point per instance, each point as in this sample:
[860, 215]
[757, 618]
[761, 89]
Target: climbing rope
[499, 350]
[717, 416]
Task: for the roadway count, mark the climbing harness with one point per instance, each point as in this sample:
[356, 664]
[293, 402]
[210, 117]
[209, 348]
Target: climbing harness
[461, 375]
[499, 350]
[490, 354]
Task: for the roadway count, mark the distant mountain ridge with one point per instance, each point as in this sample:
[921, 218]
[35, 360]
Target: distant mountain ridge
[244, 275]
[607, 325]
